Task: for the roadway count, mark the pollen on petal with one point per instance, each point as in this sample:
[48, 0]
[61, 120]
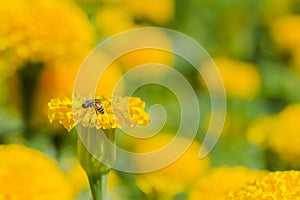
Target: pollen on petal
[61, 110]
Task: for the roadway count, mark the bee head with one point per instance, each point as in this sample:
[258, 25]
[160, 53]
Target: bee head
[84, 105]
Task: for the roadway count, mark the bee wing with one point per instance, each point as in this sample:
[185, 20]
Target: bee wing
[87, 103]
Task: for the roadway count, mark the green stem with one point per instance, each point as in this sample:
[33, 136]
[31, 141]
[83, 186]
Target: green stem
[96, 154]
[98, 186]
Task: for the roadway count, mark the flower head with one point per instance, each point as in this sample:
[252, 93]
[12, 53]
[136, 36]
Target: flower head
[279, 132]
[118, 112]
[117, 16]
[213, 187]
[26, 173]
[286, 32]
[30, 32]
[283, 185]
[241, 79]
[178, 176]
[159, 11]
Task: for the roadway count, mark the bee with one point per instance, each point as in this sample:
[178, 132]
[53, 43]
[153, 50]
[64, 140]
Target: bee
[89, 103]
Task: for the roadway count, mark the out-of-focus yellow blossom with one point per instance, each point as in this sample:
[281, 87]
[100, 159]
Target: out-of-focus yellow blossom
[159, 11]
[152, 37]
[285, 140]
[213, 187]
[280, 185]
[174, 178]
[61, 110]
[280, 133]
[114, 19]
[147, 55]
[286, 32]
[59, 80]
[42, 31]
[34, 31]
[77, 178]
[261, 129]
[117, 16]
[113, 180]
[26, 173]
[241, 79]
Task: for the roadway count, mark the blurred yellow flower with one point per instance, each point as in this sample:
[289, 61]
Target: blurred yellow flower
[241, 79]
[42, 31]
[213, 187]
[26, 173]
[261, 129]
[114, 19]
[61, 110]
[159, 11]
[279, 132]
[147, 55]
[116, 16]
[77, 178]
[176, 177]
[286, 32]
[280, 185]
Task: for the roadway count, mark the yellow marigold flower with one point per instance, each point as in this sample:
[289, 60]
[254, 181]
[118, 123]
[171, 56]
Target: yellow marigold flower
[41, 33]
[286, 31]
[30, 32]
[285, 140]
[280, 133]
[114, 19]
[160, 11]
[175, 178]
[241, 79]
[77, 178]
[260, 130]
[213, 187]
[61, 110]
[146, 56]
[281, 185]
[26, 173]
